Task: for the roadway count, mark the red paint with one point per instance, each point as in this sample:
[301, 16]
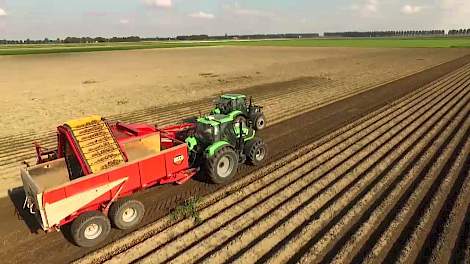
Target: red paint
[169, 166]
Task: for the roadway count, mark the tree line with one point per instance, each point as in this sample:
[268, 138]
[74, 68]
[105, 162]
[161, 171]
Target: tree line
[398, 33]
[349, 34]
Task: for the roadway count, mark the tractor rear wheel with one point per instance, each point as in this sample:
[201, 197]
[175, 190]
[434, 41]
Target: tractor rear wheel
[90, 229]
[126, 214]
[260, 122]
[256, 151]
[223, 165]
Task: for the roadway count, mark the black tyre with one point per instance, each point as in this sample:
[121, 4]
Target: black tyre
[223, 165]
[256, 151]
[90, 229]
[126, 214]
[260, 122]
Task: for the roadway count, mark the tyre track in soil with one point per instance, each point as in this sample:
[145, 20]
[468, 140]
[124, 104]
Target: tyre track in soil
[277, 102]
[291, 161]
[315, 235]
[301, 129]
[140, 245]
[360, 237]
[296, 200]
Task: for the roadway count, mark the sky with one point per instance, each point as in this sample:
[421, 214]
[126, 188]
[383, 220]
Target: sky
[38, 19]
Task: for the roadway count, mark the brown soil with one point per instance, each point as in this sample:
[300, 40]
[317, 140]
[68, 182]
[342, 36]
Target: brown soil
[286, 136]
[310, 77]
[41, 91]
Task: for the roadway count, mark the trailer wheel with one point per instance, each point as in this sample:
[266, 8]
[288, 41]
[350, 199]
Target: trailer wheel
[260, 122]
[90, 229]
[126, 214]
[256, 151]
[223, 166]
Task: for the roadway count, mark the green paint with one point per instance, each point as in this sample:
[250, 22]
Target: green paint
[207, 121]
[233, 96]
[216, 111]
[212, 149]
[192, 142]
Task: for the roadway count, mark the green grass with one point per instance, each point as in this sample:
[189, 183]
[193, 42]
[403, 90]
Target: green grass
[462, 42]
[366, 43]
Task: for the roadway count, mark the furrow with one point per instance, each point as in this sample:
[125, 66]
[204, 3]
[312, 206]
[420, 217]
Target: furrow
[417, 239]
[319, 219]
[394, 229]
[359, 234]
[442, 251]
[324, 182]
[308, 234]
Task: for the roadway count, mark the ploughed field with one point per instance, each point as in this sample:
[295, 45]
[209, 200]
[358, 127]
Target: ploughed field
[162, 86]
[311, 198]
[394, 186]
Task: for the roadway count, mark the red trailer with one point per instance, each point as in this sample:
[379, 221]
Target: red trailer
[97, 165]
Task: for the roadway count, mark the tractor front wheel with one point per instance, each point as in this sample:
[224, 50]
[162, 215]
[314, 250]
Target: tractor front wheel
[256, 151]
[90, 229]
[260, 122]
[223, 165]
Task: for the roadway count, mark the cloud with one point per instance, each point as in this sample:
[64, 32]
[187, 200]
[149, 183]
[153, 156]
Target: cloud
[411, 9]
[124, 21]
[251, 12]
[159, 3]
[3, 12]
[455, 13]
[367, 8]
[202, 15]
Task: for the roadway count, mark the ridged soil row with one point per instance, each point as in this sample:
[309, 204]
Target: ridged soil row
[372, 121]
[326, 180]
[397, 226]
[350, 235]
[319, 235]
[447, 192]
[361, 234]
[448, 237]
[317, 218]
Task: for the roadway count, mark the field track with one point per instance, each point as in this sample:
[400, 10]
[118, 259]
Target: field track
[290, 145]
[393, 186]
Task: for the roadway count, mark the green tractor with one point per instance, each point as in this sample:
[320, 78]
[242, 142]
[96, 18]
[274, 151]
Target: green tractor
[219, 145]
[237, 105]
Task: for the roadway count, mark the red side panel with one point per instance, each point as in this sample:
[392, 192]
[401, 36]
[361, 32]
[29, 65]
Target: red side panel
[53, 196]
[86, 184]
[129, 171]
[152, 170]
[177, 160]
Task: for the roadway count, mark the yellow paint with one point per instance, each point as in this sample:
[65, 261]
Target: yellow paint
[96, 142]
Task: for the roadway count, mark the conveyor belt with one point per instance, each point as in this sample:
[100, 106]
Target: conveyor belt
[99, 148]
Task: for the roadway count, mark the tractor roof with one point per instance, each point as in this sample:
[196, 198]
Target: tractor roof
[215, 120]
[233, 96]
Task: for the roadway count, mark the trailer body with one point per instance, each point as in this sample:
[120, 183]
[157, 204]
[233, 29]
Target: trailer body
[57, 194]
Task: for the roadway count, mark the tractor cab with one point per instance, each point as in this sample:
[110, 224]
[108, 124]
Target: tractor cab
[220, 143]
[238, 106]
[228, 103]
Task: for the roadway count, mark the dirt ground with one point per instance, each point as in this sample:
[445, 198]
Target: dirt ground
[41, 91]
[19, 245]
